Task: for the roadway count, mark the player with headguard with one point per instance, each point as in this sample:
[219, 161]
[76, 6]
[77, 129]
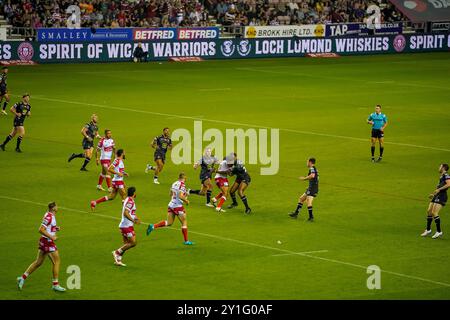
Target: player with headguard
[4, 89]
[47, 248]
[21, 111]
[221, 179]
[161, 144]
[311, 192]
[105, 150]
[379, 122]
[438, 201]
[129, 219]
[89, 133]
[207, 164]
[178, 197]
[240, 184]
[117, 168]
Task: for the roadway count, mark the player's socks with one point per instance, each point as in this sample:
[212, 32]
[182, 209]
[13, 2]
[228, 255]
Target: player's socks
[8, 139]
[218, 196]
[102, 199]
[437, 221]
[208, 196]
[100, 179]
[221, 201]
[244, 201]
[429, 221]
[185, 233]
[25, 275]
[19, 141]
[75, 155]
[310, 212]
[86, 162]
[55, 282]
[381, 151]
[108, 180]
[372, 150]
[160, 224]
[233, 197]
[5, 104]
[194, 191]
[299, 207]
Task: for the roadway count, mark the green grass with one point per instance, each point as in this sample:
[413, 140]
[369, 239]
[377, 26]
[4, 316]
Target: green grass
[365, 213]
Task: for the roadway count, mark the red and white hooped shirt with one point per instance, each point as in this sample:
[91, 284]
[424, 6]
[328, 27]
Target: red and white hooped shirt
[49, 222]
[106, 147]
[178, 188]
[130, 206]
[119, 166]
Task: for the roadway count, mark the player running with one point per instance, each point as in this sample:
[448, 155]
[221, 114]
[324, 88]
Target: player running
[105, 150]
[311, 192]
[178, 195]
[4, 89]
[129, 219]
[89, 133]
[240, 184]
[221, 180]
[160, 144]
[47, 248]
[117, 168]
[206, 163]
[438, 200]
[379, 122]
[21, 111]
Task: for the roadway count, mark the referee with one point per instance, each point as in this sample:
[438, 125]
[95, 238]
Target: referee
[379, 122]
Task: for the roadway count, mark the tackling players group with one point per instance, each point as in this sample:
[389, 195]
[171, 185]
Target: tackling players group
[113, 173]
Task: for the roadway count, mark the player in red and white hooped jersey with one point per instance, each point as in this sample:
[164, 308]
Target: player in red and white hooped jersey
[104, 152]
[47, 247]
[221, 180]
[129, 219]
[117, 168]
[178, 194]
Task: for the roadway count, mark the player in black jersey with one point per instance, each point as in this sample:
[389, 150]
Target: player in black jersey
[438, 200]
[161, 144]
[89, 133]
[207, 164]
[311, 192]
[21, 110]
[4, 89]
[240, 184]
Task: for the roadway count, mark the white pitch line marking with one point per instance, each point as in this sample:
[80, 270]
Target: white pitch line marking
[236, 123]
[298, 253]
[402, 275]
[214, 89]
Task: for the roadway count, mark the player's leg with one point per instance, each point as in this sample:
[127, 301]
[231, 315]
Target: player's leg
[101, 177]
[33, 266]
[381, 143]
[184, 228]
[223, 198]
[129, 243]
[437, 220]
[158, 169]
[301, 200]
[110, 196]
[56, 261]
[309, 203]
[372, 147]
[87, 158]
[123, 193]
[233, 190]
[8, 138]
[21, 134]
[163, 223]
[242, 187]
[5, 104]
[429, 220]
[209, 187]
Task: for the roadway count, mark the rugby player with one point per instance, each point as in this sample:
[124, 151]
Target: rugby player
[4, 89]
[438, 200]
[105, 150]
[311, 191]
[117, 168]
[379, 122]
[175, 208]
[160, 144]
[240, 184]
[21, 110]
[89, 133]
[206, 163]
[126, 226]
[221, 180]
[47, 248]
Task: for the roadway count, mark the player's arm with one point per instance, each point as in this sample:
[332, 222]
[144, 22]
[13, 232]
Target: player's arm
[370, 120]
[444, 187]
[97, 155]
[13, 110]
[183, 197]
[127, 214]
[196, 165]
[154, 143]
[111, 170]
[385, 124]
[309, 177]
[97, 135]
[43, 231]
[84, 133]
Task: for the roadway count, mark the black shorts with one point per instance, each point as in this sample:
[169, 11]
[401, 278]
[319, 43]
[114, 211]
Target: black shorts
[160, 155]
[377, 133]
[205, 176]
[312, 192]
[246, 179]
[440, 198]
[87, 144]
[18, 122]
[3, 90]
